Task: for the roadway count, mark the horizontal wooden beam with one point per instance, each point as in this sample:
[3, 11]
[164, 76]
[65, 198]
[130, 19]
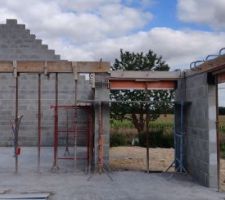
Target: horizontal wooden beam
[209, 66]
[54, 67]
[145, 75]
[140, 85]
[221, 77]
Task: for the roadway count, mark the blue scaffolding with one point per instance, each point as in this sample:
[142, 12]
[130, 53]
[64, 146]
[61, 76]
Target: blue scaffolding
[179, 134]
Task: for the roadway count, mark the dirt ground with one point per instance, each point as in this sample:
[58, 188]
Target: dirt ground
[134, 158]
[222, 174]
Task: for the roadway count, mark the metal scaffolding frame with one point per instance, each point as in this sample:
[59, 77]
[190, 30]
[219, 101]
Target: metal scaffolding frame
[72, 132]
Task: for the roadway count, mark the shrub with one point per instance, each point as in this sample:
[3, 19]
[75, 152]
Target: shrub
[117, 139]
[157, 138]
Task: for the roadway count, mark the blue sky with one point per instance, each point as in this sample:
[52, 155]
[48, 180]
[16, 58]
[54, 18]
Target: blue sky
[165, 15]
[181, 31]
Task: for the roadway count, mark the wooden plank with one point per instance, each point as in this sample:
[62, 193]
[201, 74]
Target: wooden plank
[209, 66]
[25, 196]
[221, 77]
[145, 75]
[92, 67]
[55, 66]
[138, 85]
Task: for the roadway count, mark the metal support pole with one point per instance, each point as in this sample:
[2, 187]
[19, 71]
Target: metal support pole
[55, 164]
[100, 141]
[217, 136]
[16, 124]
[147, 132]
[90, 138]
[39, 121]
[182, 135]
[67, 134]
[75, 128]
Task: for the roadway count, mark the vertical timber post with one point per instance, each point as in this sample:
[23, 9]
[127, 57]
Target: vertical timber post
[39, 121]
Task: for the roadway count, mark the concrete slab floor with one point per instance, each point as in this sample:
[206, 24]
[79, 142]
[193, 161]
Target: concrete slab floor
[126, 185]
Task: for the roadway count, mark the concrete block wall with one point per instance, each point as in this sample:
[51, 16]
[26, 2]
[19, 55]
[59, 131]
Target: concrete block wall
[200, 128]
[28, 105]
[17, 43]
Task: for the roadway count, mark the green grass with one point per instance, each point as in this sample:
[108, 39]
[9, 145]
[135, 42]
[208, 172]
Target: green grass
[160, 132]
[163, 122]
[121, 124]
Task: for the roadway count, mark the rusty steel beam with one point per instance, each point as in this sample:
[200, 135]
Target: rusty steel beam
[54, 67]
[139, 85]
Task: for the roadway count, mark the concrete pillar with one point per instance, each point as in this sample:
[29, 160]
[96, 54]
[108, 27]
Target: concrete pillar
[200, 128]
[102, 94]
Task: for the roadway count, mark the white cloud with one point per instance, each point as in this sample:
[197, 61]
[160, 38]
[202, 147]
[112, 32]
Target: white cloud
[94, 29]
[74, 19]
[210, 12]
[177, 47]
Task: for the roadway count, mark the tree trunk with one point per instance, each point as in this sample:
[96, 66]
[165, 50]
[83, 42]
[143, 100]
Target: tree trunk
[138, 123]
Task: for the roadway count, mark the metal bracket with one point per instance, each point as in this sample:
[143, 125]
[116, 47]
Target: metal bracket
[15, 68]
[46, 68]
[92, 80]
[75, 71]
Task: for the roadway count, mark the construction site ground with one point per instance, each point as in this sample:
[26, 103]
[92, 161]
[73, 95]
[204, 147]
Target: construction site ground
[70, 185]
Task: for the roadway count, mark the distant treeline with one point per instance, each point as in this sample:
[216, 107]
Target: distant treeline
[171, 111]
[222, 110]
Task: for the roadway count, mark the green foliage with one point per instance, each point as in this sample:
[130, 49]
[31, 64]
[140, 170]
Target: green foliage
[153, 124]
[117, 139]
[159, 101]
[222, 150]
[221, 110]
[222, 128]
[121, 124]
[156, 139]
[160, 133]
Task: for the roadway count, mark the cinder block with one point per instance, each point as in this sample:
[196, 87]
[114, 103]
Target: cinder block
[11, 22]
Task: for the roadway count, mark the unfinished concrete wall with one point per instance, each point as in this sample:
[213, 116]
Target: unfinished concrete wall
[16, 43]
[28, 104]
[200, 128]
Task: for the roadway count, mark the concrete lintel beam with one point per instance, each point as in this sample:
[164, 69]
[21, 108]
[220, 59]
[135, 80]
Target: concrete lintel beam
[145, 75]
